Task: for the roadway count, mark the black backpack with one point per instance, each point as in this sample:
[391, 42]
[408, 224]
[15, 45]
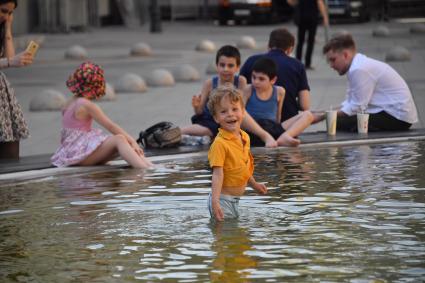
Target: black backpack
[160, 135]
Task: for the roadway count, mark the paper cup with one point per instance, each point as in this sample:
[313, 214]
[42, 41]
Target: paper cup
[362, 123]
[331, 122]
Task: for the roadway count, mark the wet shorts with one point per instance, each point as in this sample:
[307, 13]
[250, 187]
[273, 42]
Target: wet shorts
[229, 205]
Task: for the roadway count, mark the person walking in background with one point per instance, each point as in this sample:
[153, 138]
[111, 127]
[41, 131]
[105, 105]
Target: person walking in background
[80, 143]
[291, 73]
[374, 87]
[307, 19]
[13, 126]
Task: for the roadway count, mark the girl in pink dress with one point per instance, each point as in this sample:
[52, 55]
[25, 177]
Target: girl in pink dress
[81, 144]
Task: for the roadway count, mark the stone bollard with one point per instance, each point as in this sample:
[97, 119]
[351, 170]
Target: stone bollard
[141, 49]
[418, 28]
[211, 69]
[160, 77]
[186, 73]
[206, 46]
[398, 53]
[381, 31]
[131, 82]
[48, 100]
[246, 42]
[110, 94]
[76, 52]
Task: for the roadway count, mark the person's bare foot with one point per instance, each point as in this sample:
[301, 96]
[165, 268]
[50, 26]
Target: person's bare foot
[270, 142]
[285, 140]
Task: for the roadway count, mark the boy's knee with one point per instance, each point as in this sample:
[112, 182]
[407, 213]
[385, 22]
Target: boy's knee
[308, 115]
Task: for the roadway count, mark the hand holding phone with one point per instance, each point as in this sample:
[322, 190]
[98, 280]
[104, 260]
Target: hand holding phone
[32, 48]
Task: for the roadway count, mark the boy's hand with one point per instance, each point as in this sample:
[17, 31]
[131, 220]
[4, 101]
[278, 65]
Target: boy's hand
[218, 212]
[260, 188]
[196, 101]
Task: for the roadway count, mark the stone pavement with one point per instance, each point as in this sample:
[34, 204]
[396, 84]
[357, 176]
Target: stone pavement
[110, 48]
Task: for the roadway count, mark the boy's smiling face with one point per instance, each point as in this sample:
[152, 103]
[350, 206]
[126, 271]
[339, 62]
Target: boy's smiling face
[227, 67]
[229, 115]
[261, 81]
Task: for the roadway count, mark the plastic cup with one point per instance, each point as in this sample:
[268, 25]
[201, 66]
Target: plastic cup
[362, 123]
[331, 122]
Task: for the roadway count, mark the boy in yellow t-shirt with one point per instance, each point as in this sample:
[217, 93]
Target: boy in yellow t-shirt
[229, 155]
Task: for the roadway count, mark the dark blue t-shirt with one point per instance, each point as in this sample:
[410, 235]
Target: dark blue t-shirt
[291, 76]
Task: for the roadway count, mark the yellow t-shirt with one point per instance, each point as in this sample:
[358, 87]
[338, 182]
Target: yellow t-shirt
[234, 156]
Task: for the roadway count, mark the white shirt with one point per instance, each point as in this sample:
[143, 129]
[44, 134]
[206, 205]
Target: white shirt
[374, 86]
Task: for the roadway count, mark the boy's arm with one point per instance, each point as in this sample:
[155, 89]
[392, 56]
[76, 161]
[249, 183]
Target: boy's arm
[217, 183]
[242, 83]
[304, 99]
[322, 8]
[280, 98]
[205, 92]
[260, 188]
[246, 93]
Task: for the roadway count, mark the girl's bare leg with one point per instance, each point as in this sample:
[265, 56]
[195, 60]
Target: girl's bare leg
[108, 149]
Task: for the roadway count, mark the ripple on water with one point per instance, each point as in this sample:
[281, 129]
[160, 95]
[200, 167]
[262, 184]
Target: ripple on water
[11, 211]
[330, 222]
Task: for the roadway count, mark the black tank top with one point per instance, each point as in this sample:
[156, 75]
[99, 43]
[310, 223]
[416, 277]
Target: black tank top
[308, 9]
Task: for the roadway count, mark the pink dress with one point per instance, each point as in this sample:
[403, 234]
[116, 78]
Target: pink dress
[78, 139]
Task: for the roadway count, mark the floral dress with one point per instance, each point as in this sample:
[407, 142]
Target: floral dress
[78, 138]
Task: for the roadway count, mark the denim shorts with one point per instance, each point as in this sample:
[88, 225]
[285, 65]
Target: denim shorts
[229, 205]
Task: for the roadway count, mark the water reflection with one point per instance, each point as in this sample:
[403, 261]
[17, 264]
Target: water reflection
[339, 214]
[231, 244]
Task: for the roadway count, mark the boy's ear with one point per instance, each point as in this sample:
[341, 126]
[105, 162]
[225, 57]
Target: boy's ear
[289, 50]
[273, 81]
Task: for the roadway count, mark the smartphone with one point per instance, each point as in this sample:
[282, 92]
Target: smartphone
[32, 47]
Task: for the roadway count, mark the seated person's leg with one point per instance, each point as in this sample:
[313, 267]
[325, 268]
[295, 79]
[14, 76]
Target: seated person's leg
[294, 127]
[202, 125]
[383, 121]
[196, 130]
[259, 135]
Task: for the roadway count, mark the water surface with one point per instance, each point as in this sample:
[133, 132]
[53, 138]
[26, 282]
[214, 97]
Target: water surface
[339, 214]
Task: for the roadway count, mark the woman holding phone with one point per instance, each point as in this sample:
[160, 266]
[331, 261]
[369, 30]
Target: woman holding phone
[12, 123]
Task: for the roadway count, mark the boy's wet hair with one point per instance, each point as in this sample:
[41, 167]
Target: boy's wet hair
[266, 66]
[281, 38]
[228, 51]
[340, 42]
[219, 93]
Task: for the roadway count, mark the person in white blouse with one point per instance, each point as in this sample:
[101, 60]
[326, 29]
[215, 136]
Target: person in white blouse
[374, 87]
